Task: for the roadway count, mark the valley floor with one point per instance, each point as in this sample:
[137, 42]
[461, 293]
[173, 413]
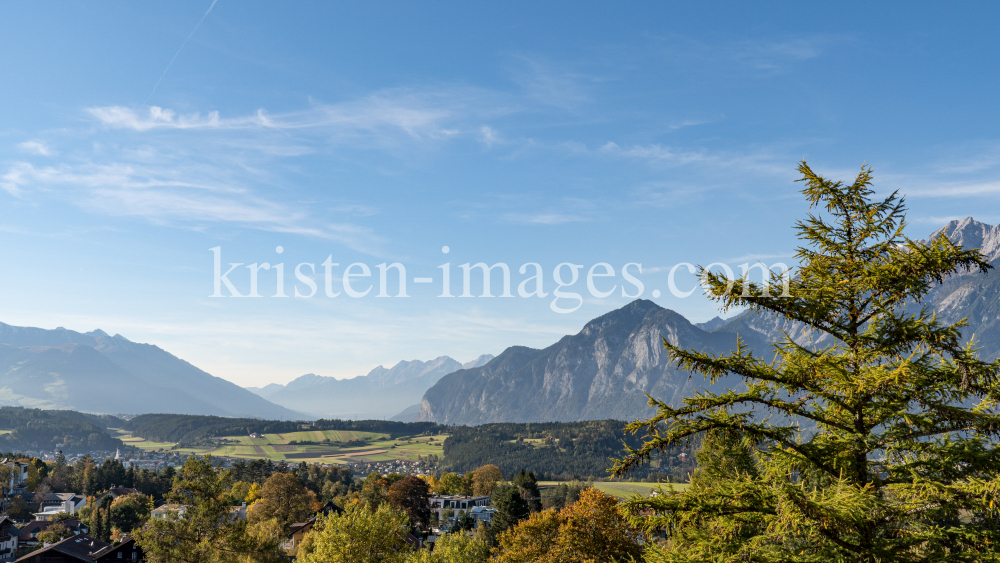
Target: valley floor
[321, 446]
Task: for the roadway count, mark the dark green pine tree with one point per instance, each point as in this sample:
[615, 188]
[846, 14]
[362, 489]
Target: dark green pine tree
[97, 524]
[510, 507]
[528, 486]
[874, 444]
[107, 527]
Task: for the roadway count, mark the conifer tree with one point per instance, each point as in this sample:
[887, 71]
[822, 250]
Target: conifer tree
[874, 443]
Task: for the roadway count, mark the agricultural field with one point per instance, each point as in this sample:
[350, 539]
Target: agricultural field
[319, 436]
[622, 489]
[327, 446]
[140, 443]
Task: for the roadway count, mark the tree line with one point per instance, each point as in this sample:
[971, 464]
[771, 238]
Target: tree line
[35, 429]
[201, 429]
[556, 450]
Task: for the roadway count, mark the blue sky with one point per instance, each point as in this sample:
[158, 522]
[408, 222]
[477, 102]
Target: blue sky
[374, 133]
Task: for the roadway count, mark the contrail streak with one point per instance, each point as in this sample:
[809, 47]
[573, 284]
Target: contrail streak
[179, 52]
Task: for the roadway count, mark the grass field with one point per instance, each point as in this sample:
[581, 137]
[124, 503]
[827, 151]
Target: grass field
[623, 489]
[333, 446]
[324, 436]
[141, 443]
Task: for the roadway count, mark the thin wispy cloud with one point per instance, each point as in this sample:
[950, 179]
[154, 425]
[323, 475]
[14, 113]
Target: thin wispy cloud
[551, 85]
[653, 152]
[419, 116]
[758, 161]
[766, 56]
[774, 55]
[693, 123]
[230, 170]
[543, 218]
[36, 147]
[970, 158]
[488, 136]
[161, 197]
[954, 189]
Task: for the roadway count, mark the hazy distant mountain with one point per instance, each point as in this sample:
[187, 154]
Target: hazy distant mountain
[382, 393]
[602, 372]
[965, 295]
[712, 324]
[95, 372]
[480, 361]
[267, 390]
[409, 414]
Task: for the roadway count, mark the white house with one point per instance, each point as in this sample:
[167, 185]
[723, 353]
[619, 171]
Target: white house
[483, 513]
[455, 503]
[57, 503]
[8, 539]
[19, 480]
[163, 512]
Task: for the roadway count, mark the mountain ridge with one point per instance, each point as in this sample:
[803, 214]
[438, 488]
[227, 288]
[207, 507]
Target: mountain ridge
[612, 367]
[95, 372]
[603, 371]
[381, 393]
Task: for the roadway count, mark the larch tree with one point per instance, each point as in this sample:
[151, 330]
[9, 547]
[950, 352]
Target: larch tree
[593, 530]
[358, 535]
[485, 479]
[208, 532]
[284, 498]
[410, 495]
[875, 444]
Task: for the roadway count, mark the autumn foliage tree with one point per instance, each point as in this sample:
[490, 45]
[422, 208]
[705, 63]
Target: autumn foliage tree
[208, 532]
[358, 535]
[410, 495]
[449, 484]
[284, 498]
[373, 493]
[485, 479]
[54, 533]
[876, 443]
[593, 530]
[127, 512]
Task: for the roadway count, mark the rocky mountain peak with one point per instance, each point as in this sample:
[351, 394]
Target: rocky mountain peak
[629, 315]
[969, 233]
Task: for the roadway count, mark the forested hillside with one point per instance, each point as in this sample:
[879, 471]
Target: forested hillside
[553, 450]
[194, 429]
[34, 429]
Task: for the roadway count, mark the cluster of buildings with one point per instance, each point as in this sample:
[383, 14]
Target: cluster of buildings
[85, 549]
[80, 547]
[56, 509]
[400, 466]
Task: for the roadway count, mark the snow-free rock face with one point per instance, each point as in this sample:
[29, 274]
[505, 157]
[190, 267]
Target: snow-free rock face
[604, 371]
[969, 233]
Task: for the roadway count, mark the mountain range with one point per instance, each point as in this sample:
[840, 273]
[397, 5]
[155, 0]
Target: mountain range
[606, 369]
[382, 393]
[95, 372]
